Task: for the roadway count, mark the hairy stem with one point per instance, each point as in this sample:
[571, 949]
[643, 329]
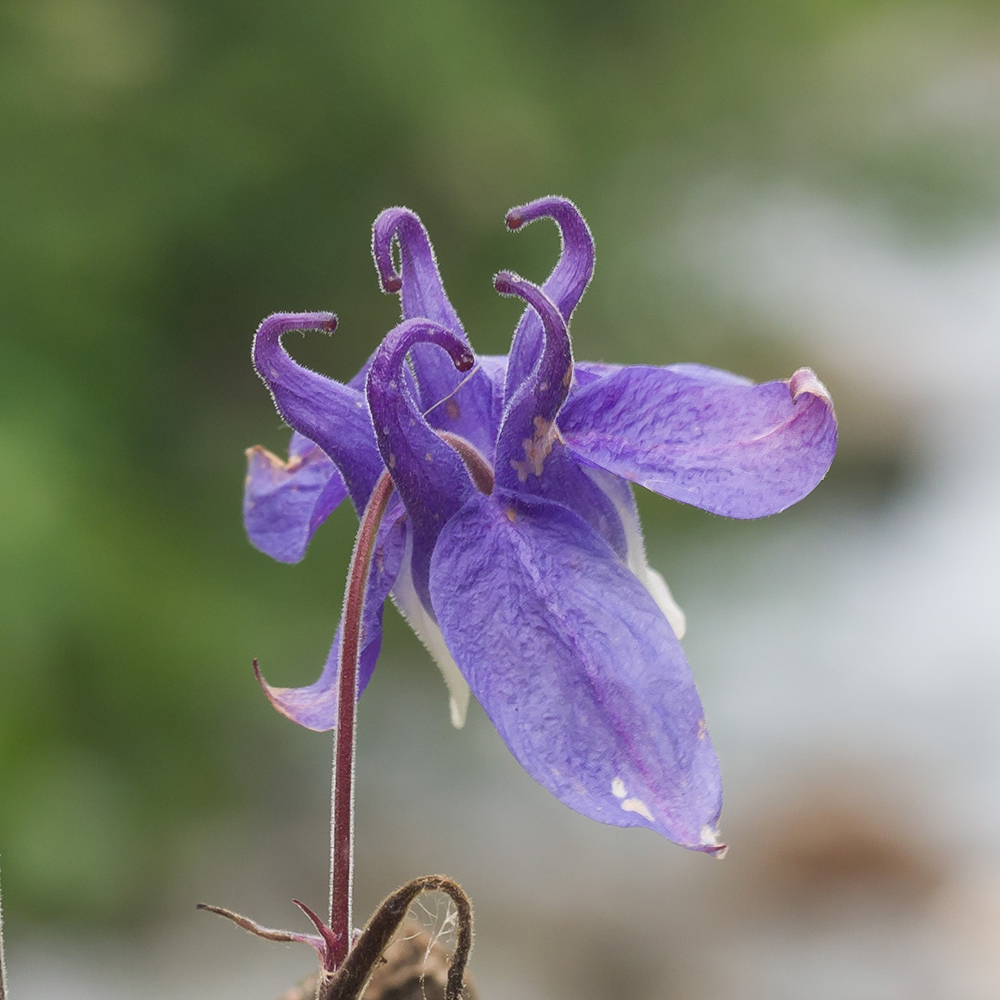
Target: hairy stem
[3, 963]
[342, 795]
[351, 978]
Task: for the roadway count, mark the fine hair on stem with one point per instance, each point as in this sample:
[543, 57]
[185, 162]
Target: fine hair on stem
[3, 963]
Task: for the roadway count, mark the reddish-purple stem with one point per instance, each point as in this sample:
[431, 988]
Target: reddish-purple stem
[342, 808]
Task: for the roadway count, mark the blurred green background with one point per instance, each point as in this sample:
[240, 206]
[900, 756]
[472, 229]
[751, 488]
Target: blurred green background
[171, 171]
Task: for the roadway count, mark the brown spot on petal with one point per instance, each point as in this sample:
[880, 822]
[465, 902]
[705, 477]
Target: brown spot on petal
[521, 468]
[536, 449]
[276, 463]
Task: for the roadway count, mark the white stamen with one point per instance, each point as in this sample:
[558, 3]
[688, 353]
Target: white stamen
[619, 493]
[404, 595]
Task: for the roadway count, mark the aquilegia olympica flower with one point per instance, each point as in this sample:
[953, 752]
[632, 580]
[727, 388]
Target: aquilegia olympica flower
[512, 543]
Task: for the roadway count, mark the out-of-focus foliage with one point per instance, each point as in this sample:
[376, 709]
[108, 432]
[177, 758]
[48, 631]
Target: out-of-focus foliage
[171, 171]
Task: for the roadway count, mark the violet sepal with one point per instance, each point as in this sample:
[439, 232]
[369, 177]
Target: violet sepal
[576, 666]
[706, 437]
[284, 502]
[315, 705]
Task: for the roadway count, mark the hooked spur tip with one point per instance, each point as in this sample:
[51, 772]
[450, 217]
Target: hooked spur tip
[465, 361]
[385, 231]
[266, 688]
[275, 326]
[514, 219]
[269, 692]
[504, 283]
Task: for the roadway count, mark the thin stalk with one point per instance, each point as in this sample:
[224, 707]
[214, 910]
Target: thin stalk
[345, 738]
[3, 964]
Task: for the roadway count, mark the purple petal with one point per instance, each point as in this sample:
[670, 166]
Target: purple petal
[706, 437]
[299, 446]
[565, 285]
[530, 458]
[315, 706]
[576, 667]
[470, 411]
[451, 402]
[327, 412]
[285, 502]
[494, 366]
[585, 372]
[428, 474]
[705, 373]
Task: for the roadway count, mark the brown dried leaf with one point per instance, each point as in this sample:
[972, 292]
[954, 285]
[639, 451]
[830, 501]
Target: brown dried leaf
[415, 968]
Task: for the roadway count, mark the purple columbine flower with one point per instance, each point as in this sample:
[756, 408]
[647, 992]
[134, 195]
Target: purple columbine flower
[512, 543]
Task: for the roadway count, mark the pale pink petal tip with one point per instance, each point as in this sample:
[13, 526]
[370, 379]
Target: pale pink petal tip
[711, 844]
[274, 694]
[804, 380]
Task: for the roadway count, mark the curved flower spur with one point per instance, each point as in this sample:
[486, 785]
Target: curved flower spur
[511, 541]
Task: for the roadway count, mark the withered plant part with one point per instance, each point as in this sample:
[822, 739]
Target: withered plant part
[414, 967]
[351, 979]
